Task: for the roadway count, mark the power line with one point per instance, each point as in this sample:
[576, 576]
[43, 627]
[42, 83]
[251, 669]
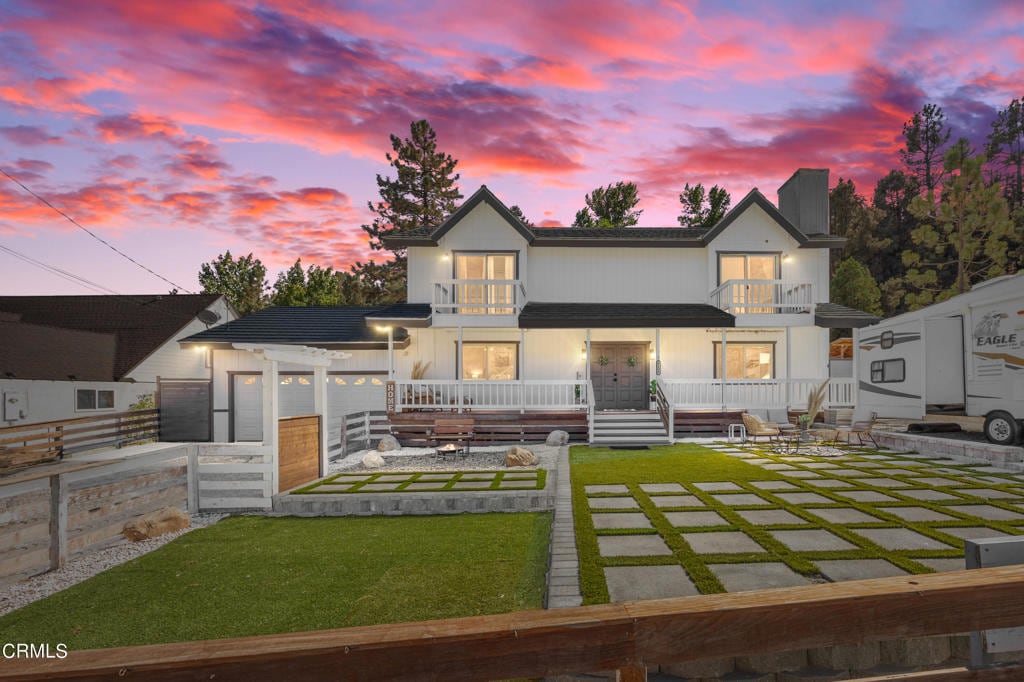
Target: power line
[92, 234]
[69, 276]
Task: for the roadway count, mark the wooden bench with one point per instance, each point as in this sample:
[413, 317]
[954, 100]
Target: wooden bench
[457, 430]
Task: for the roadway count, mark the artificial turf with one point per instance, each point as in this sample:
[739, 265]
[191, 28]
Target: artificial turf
[255, 575]
[689, 464]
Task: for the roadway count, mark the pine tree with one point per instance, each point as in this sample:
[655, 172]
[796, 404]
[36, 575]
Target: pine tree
[853, 286]
[518, 213]
[1006, 150]
[962, 239]
[700, 208]
[852, 218]
[610, 206]
[243, 281]
[925, 134]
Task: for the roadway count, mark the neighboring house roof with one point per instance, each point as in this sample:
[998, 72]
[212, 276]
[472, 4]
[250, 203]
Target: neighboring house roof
[402, 315]
[139, 324]
[331, 327]
[678, 237]
[33, 351]
[831, 315]
[615, 315]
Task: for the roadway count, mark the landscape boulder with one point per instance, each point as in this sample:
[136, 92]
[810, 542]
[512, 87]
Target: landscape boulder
[371, 460]
[557, 438]
[156, 523]
[388, 444]
[520, 457]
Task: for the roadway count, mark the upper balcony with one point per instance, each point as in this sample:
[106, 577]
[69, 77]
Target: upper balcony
[750, 300]
[478, 302]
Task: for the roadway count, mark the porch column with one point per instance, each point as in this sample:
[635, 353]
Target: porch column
[522, 370]
[320, 408]
[391, 353]
[724, 369]
[458, 368]
[657, 352]
[924, 375]
[855, 388]
[789, 370]
[586, 370]
[270, 416]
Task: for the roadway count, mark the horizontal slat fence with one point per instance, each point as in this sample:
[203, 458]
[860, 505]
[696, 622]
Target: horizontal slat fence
[31, 443]
[627, 637]
[359, 431]
[493, 428]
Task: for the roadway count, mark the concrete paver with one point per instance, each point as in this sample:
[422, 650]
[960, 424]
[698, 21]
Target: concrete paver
[695, 518]
[632, 545]
[738, 499]
[858, 569]
[770, 517]
[626, 583]
[722, 542]
[813, 540]
[942, 565]
[623, 520]
[425, 485]
[900, 538]
[987, 511]
[990, 494]
[773, 485]
[717, 486]
[387, 478]
[662, 501]
[662, 488]
[804, 498]
[867, 496]
[612, 503]
[844, 515]
[743, 577]
[803, 474]
[830, 483]
[379, 486]
[973, 533]
[883, 482]
[915, 514]
[927, 494]
[592, 489]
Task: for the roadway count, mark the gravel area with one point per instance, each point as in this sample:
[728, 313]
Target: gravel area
[85, 566]
[423, 459]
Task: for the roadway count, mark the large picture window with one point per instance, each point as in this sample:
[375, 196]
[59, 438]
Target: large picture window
[745, 360]
[755, 272]
[494, 361]
[888, 371]
[486, 283]
[93, 399]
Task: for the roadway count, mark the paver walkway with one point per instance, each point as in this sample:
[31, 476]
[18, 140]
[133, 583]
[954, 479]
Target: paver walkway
[856, 515]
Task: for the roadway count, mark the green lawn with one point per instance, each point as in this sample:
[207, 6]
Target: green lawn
[254, 575]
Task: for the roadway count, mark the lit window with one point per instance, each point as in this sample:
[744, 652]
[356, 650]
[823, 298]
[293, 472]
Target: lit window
[745, 360]
[304, 381]
[494, 361]
[339, 381]
[376, 382]
[250, 381]
[286, 381]
[360, 381]
[486, 280]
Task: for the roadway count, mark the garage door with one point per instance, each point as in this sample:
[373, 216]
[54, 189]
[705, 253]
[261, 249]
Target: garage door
[345, 394]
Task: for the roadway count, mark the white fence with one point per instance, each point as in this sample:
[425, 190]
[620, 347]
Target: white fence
[756, 393]
[753, 296]
[493, 395]
[230, 476]
[361, 429]
[479, 296]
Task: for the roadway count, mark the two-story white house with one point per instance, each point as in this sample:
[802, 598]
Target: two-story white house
[515, 319]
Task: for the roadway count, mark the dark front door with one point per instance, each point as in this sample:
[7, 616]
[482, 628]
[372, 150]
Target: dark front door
[619, 374]
[184, 411]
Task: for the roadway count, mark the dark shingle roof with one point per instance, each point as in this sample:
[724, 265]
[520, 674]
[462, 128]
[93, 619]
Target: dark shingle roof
[319, 326]
[833, 315]
[140, 324]
[402, 314]
[620, 315]
[32, 351]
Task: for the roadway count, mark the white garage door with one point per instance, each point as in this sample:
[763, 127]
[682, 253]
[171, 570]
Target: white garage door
[345, 394]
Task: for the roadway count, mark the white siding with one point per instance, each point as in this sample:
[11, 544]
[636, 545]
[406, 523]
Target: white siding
[171, 361]
[53, 400]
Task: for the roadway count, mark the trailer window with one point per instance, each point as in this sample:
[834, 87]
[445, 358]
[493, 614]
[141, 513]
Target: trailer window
[888, 371]
[887, 340]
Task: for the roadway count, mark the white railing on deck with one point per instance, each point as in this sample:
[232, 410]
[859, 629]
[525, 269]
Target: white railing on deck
[756, 393]
[493, 395]
[752, 296]
[479, 296]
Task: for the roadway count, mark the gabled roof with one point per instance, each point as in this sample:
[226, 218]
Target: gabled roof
[33, 351]
[332, 327]
[138, 324]
[675, 237]
[622, 315]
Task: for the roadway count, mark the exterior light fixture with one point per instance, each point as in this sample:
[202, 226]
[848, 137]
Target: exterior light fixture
[652, 355]
[583, 353]
[382, 328]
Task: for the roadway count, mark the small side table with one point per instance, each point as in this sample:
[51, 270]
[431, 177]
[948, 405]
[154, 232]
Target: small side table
[737, 433]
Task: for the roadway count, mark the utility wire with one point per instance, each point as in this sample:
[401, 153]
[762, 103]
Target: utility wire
[92, 234]
[69, 276]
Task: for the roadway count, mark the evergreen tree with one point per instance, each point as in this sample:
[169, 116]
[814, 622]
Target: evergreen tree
[1006, 150]
[962, 239]
[852, 285]
[372, 283]
[892, 197]
[243, 281]
[423, 192]
[852, 218]
[925, 134]
[315, 286]
[518, 213]
[610, 206]
[703, 209]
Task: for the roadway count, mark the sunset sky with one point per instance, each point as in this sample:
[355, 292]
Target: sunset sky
[176, 130]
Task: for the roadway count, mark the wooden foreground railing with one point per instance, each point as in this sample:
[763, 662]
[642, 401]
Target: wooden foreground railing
[625, 637]
[31, 443]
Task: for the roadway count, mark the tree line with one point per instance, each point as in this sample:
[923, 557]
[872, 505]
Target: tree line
[949, 218]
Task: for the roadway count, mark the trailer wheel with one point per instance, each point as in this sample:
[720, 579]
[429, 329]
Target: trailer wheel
[1001, 428]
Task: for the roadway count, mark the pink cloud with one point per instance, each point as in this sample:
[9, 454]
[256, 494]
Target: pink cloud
[29, 136]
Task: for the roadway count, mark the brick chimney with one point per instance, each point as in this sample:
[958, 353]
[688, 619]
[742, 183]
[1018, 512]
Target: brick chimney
[803, 199]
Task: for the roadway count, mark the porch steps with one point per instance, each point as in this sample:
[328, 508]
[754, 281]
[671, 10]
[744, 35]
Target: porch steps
[640, 427]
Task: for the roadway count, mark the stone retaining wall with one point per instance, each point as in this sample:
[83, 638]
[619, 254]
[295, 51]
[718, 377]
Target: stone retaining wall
[398, 504]
[1009, 457]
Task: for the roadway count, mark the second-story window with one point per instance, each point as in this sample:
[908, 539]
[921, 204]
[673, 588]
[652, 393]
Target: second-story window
[485, 283]
[753, 290]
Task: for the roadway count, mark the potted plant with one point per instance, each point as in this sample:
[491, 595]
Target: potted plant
[653, 391]
[815, 401]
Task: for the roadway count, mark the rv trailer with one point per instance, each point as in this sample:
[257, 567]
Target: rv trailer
[964, 355]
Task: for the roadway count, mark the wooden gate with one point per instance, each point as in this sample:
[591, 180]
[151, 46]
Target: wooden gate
[184, 411]
[298, 452]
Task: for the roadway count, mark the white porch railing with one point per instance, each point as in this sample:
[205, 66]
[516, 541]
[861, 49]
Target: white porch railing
[492, 395]
[750, 296]
[479, 296]
[756, 393]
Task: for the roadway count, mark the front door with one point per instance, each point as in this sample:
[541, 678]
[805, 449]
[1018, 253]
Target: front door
[619, 374]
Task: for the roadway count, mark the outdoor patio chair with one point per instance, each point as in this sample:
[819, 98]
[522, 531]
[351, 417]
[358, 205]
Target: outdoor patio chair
[758, 427]
[835, 421]
[861, 429]
[780, 417]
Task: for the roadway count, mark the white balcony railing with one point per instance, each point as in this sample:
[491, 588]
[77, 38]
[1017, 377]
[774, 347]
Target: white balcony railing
[755, 393]
[479, 296]
[760, 296]
[492, 395]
